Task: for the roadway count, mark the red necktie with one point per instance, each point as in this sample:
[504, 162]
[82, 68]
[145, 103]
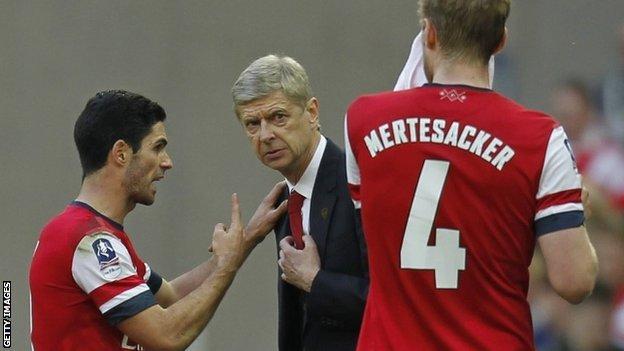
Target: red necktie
[295, 201]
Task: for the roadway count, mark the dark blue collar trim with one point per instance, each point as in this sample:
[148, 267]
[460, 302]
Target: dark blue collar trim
[433, 85]
[84, 205]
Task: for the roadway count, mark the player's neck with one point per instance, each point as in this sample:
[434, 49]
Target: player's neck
[105, 196]
[454, 73]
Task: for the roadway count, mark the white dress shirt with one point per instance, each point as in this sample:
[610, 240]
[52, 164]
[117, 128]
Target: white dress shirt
[305, 185]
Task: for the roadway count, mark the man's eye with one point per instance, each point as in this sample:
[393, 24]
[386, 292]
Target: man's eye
[280, 117]
[251, 125]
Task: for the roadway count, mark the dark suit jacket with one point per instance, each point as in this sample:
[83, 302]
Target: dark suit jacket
[329, 317]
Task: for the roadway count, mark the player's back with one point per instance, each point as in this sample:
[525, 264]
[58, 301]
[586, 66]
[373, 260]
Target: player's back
[449, 183]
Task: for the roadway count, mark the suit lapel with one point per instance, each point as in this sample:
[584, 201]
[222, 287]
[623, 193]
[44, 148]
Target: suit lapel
[323, 197]
[283, 226]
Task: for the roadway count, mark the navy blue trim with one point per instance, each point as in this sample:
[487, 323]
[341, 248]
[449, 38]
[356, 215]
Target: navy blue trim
[84, 205]
[129, 308]
[154, 282]
[559, 221]
[438, 85]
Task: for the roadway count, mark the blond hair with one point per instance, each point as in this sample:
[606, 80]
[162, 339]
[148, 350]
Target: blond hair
[467, 29]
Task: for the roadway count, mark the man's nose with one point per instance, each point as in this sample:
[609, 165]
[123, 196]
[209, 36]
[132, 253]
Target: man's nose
[167, 162]
[266, 131]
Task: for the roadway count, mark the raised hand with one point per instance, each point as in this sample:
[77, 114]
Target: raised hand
[227, 243]
[266, 215]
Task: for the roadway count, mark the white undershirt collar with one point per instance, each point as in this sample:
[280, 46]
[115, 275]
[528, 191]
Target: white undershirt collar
[305, 185]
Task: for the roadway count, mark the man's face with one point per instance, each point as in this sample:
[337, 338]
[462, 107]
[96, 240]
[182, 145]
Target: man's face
[147, 166]
[282, 132]
[572, 111]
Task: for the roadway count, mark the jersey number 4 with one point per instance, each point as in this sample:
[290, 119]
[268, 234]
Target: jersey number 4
[446, 257]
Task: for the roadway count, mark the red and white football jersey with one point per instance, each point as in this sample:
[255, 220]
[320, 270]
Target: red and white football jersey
[455, 184]
[85, 278]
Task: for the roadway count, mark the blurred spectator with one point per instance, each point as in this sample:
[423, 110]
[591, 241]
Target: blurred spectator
[613, 94]
[599, 157]
[616, 327]
[597, 324]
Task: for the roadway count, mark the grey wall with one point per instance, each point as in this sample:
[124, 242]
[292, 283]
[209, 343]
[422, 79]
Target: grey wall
[186, 55]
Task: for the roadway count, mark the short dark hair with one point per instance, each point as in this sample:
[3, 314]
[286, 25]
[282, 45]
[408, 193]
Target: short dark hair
[110, 116]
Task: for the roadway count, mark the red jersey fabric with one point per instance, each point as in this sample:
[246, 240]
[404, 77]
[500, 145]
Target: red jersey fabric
[454, 184]
[86, 277]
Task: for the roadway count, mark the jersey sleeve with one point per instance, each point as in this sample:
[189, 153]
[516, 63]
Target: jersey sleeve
[559, 204]
[353, 170]
[102, 267]
[413, 73]
[152, 279]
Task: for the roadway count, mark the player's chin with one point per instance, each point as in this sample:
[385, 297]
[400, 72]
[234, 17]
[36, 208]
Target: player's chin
[146, 199]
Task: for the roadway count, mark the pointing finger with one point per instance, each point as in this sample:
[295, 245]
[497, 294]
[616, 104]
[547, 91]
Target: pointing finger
[236, 216]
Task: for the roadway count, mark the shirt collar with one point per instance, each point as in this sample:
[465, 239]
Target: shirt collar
[305, 185]
[97, 213]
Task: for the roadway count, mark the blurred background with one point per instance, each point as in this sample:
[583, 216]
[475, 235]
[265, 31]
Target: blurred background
[563, 56]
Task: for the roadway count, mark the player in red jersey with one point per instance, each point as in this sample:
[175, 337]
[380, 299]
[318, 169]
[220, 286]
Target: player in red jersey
[90, 290]
[456, 184]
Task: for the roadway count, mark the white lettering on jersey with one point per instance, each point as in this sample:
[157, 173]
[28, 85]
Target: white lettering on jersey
[373, 143]
[446, 257]
[426, 130]
[128, 344]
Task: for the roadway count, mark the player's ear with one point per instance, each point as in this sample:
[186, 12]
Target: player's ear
[430, 34]
[502, 42]
[120, 153]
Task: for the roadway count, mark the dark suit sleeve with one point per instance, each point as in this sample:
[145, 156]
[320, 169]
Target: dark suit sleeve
[340, 298]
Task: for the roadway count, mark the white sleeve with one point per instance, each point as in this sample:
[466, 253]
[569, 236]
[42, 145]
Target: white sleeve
[559, 193]
[413, 73]
[102, 268]
[353, 170]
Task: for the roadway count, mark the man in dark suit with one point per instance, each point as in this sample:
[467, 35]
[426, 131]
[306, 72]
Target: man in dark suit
[323, 264]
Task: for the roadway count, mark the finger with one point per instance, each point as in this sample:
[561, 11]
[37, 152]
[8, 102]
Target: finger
[281, 263]
[280, 210]
[284, 277]
[287, 243]
[219, 227]
[281, 254]
[210, 249]
[308, 242]
[236, 216]
[277, 190]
